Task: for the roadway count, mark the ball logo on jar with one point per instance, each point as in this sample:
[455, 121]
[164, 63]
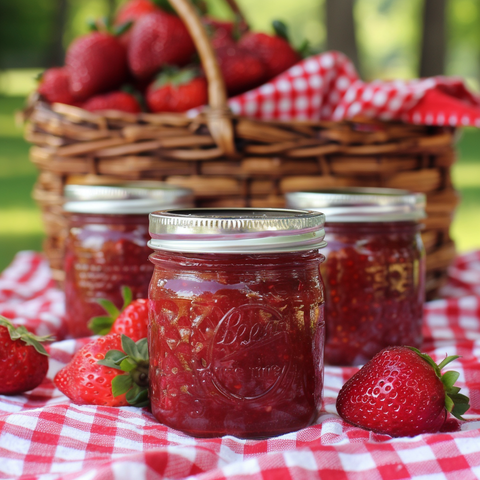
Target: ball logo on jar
[248, 357]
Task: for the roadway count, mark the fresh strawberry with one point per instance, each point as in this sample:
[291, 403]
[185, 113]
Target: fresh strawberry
[117, 100]
[133, 10]
[215, 24]
[93, 377]
[129, 13]
[241, 70]
[275, 51]
[222, 33]
[132, 320]
[54, 86]
[221, 38]
[23, 359]
[158, 39]
[177, 90]
[401, 392]
[97, 63]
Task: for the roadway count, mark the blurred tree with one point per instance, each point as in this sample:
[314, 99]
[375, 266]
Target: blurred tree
[341, 28]
[463, 49]
[24, 32]
[56, 49]
[433, 48]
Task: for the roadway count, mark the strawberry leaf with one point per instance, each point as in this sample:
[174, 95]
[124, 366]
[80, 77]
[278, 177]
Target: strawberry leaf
[100, 325]
[21, 333]
[455, 403]
[127, 296]
[142, 346]
[460, 405]
[449, 379]
[109, 307]
[121, 384]
[112, 359]
[280, 29]
[121, 29]
[133, 360]
[127, 365]
[447, 360]
[137, 396]
[130, 347]
[448, 403]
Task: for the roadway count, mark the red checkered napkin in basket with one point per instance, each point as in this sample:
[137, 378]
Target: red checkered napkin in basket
[327, 87]
[45, 437]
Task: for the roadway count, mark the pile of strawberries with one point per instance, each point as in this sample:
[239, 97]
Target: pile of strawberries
[146, 60]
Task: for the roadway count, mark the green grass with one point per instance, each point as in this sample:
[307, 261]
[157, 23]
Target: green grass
[466, 178]
[20, 219]
[20, 222]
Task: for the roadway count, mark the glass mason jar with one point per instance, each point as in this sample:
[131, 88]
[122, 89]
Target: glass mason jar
[236, 328]
[375, 269]
[106, 247]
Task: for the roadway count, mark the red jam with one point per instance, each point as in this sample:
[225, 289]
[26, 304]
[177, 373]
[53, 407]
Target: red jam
[103, 253]
[374, 278]
[236, 342]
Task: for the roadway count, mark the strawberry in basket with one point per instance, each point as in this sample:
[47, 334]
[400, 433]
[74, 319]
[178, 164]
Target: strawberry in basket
[158, 39]
[117, 100]
[97, 63]
[54, 86]
[177, 90]
[242, 70]
[129, 13]
[132, 10]
[275, 51]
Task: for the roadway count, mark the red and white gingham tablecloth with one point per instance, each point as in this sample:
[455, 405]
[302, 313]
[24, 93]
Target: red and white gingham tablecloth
[326, 86]
[43, 436]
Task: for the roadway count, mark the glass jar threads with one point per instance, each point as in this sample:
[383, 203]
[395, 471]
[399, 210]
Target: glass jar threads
[106, 247]
[375, 269]
[236, 326]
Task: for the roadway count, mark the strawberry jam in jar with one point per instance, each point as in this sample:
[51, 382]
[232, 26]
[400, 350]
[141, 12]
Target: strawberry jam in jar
[236, 330]
[375, 269]
[106, 247]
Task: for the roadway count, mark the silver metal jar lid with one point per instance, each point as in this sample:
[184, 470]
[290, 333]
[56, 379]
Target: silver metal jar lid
[125, 198]
[361, 204]
[236, 230]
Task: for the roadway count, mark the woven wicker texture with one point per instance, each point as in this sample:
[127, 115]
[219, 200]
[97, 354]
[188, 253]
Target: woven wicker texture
[236, 161]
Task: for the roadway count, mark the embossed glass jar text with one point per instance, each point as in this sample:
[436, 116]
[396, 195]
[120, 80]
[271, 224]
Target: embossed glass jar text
[236, 341]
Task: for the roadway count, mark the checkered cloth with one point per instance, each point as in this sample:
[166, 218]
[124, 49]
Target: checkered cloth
[44, 436]
[327, 87]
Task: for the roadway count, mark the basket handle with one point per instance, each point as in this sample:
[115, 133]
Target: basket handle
[219, 119]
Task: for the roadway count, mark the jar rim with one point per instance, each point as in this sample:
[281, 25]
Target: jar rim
[236, 230]
[125, 197]
[361, 204]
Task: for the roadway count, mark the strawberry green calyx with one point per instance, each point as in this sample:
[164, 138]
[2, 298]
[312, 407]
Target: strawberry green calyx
[102, 324]
[131, 90]
[21, 333]
[134, 361]
[455, 402]
[281, 30]
[171, 75]
[106, 25]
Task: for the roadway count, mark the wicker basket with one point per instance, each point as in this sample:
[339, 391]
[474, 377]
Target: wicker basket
[231, 160]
